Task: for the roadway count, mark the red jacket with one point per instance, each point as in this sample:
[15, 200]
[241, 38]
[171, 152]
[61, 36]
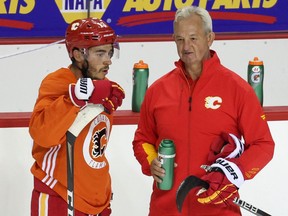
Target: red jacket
[53, 114]
[193, 114]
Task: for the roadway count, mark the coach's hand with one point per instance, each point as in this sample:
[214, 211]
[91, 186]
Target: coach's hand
[227, 145]
[156, 170]
[224, 178]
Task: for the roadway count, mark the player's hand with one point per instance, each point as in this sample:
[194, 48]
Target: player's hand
[115, 98]
[81, 91]
[227, 145]
[102, 90]
[224, 178]
[87, 91]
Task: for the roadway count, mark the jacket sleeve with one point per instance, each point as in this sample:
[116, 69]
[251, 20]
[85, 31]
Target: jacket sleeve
[259, 144]
[145, 136]
[53, 112]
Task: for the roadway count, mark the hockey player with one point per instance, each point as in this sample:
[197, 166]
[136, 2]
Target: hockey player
[196, 104]
[91, 44]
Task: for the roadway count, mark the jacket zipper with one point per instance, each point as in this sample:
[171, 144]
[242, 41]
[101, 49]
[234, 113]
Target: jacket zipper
[190, 103]
[190, 90]
[189, 126]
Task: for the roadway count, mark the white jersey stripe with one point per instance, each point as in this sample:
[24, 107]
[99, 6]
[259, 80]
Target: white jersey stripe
[45, 158]
[49, 181]
[49, 164]
[45, 178]
[51, 173]
[53, 183]
[50, 160]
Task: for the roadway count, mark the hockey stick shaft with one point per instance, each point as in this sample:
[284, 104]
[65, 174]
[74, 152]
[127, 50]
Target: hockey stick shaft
[193, 181]
[82, 119]
[70, 172]
[250, 207]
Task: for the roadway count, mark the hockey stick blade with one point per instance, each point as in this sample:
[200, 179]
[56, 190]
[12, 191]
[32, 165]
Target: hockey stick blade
[82, 119]
[186, 186]
[193, 181]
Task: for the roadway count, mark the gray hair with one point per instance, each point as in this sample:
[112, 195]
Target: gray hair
[187, 11]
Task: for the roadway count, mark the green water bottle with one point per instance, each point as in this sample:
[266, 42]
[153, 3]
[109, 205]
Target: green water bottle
[140, 84]
[166, 155]
[256, 77]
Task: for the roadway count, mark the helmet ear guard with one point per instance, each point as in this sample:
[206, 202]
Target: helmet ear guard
[89, 32]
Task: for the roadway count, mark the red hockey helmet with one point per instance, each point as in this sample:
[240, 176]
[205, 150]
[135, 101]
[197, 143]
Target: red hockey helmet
[85, 33]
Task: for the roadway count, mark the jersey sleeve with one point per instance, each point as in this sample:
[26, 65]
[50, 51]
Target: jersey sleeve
[145, 136]
[259, 144]
[53, 111]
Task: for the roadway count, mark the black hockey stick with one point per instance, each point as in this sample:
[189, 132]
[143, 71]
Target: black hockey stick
[250, 207]
[192, 181]
[82, 119]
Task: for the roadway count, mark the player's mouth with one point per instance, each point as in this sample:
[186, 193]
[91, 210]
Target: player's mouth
[105, 70]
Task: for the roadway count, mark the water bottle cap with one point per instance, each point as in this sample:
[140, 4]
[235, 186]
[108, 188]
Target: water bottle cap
[256, 61]
[141, 65]
[167, 143]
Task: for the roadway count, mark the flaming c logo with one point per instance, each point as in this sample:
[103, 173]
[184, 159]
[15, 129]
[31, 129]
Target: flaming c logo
[75, 9]
[93, 149]
[213, 102]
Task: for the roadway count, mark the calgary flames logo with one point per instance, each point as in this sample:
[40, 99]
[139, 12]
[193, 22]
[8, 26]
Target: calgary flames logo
[213, 102]
[96, 141]
[99, 143]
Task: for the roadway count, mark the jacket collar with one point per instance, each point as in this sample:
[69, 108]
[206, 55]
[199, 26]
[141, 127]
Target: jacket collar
[206, 64]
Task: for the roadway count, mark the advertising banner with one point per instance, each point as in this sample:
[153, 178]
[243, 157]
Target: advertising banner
[36, 19]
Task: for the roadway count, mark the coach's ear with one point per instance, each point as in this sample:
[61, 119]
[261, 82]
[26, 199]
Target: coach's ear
[210, 38]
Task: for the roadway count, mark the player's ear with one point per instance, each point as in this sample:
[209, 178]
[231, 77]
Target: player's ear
[77, 55]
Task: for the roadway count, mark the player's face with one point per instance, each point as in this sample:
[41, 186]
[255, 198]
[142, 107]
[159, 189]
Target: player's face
[191, 40]
[99, 59]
